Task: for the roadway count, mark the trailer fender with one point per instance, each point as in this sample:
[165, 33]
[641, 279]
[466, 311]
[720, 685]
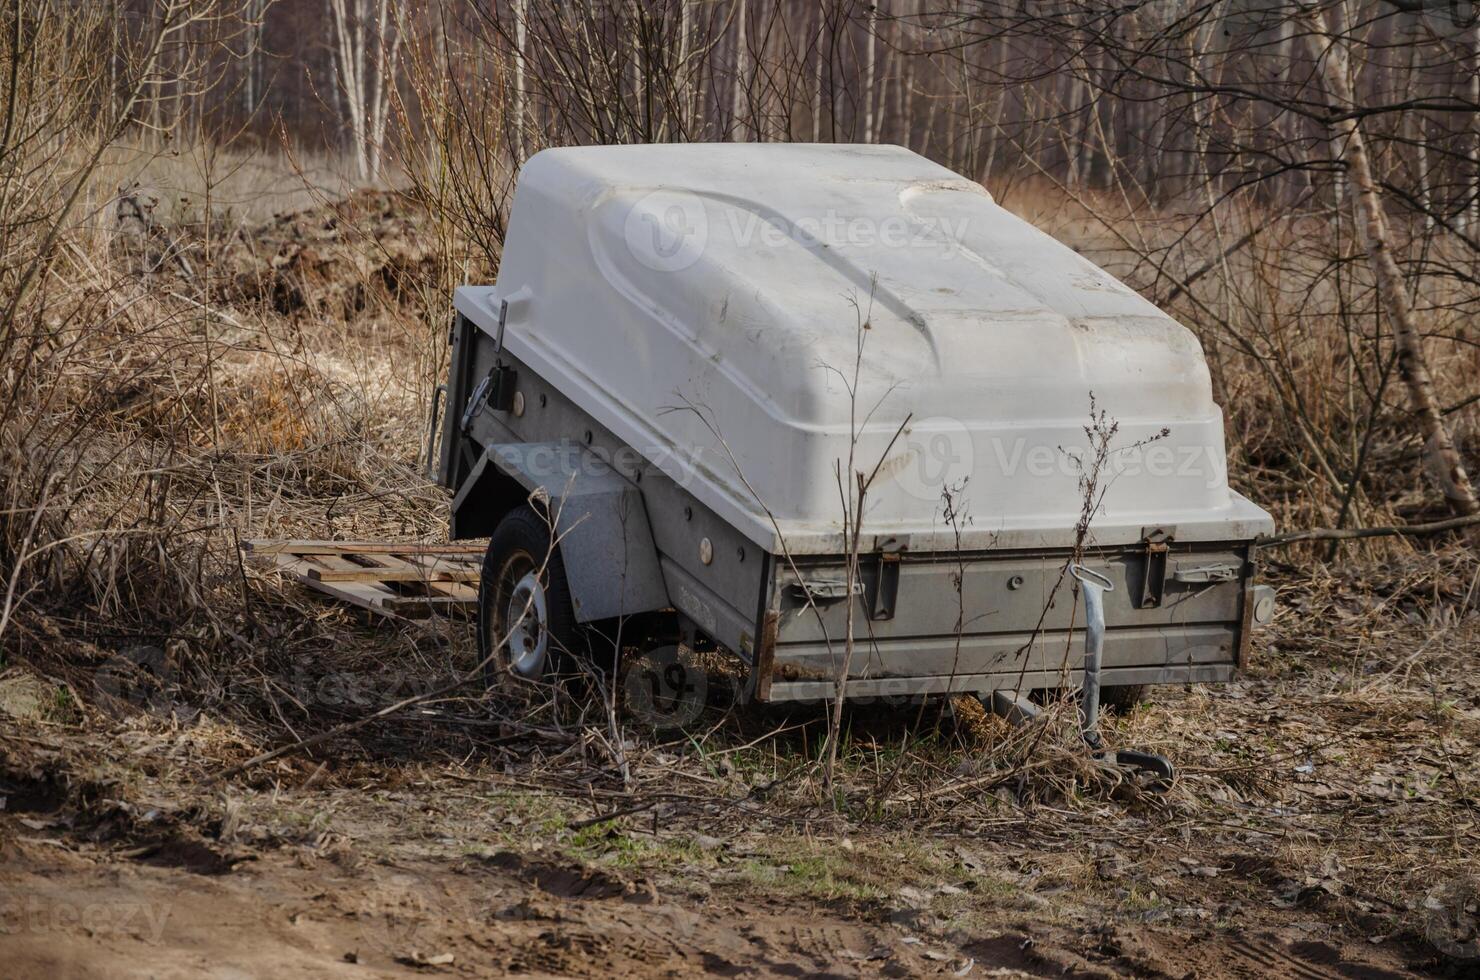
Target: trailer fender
[601, 523]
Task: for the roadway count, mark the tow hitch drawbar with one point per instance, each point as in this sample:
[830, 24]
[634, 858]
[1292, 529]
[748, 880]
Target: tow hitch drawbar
[1094, 586]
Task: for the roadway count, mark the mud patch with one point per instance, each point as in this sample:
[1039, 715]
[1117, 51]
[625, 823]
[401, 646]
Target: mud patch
[572, 881]
[187, 854]
[32, 795]
[1018, 951]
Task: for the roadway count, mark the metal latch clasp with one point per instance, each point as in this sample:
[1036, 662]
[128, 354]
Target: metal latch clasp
[495, 391]
[822, 591]
[1157, 541]
[1206, 574]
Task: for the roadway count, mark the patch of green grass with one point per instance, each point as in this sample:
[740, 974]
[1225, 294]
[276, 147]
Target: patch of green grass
[63, 707]
[536, 812]
[992, 887]
[826, 875]
[816, 875]
[1138, 901]
[610, 845]
[827, 870]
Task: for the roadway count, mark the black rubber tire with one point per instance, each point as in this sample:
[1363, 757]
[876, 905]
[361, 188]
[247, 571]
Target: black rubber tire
[522, 541]
[1123, 698]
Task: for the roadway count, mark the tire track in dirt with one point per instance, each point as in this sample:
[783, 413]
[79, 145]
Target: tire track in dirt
[1307, 960]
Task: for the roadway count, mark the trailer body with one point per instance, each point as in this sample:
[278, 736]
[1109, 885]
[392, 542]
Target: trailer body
[689, 346]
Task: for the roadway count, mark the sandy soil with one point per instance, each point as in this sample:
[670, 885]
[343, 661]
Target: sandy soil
[118, 859]
[389, 906]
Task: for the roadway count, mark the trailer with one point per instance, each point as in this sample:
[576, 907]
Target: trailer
[690, 348]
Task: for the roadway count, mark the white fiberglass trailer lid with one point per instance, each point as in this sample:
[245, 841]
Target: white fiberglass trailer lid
[713, 305]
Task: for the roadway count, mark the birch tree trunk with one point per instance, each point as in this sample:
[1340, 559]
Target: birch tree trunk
[738, 99]
[904, 102]
[366, 69]
[684, 103]
[639, 81]
[1425, 191]
[817, 78]
[347, 63]
[1473, 221]
[870, 65]
[1414, 125]
[386, 69]
[521, 29]
[1440, 456]
[254, 16]
[1071, 103]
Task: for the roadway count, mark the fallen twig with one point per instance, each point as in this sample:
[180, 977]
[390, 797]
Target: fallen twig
[626, 811]
[1346, 534]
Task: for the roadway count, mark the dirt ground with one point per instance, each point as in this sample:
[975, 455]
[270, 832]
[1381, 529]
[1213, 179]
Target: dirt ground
[1323, 825]
[412, 902]
[422, 883]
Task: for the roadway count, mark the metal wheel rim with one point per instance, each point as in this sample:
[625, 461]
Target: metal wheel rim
[525, 617]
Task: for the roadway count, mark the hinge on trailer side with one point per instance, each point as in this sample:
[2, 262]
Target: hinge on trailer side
[886, 587]
[496, 391]
[1157, 541]
[1207, 574]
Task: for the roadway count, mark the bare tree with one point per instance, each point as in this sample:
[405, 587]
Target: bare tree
[254, 25]
[1246, 196]
[521, 36]
[739, 102]
[870, 70]
[59, 118]
[1444, 463]
[367, 51]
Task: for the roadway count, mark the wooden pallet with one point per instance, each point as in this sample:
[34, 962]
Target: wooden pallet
[401, 581]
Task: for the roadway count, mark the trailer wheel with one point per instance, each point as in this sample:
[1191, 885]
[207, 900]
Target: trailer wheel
[1122, 699]
[523, 596]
